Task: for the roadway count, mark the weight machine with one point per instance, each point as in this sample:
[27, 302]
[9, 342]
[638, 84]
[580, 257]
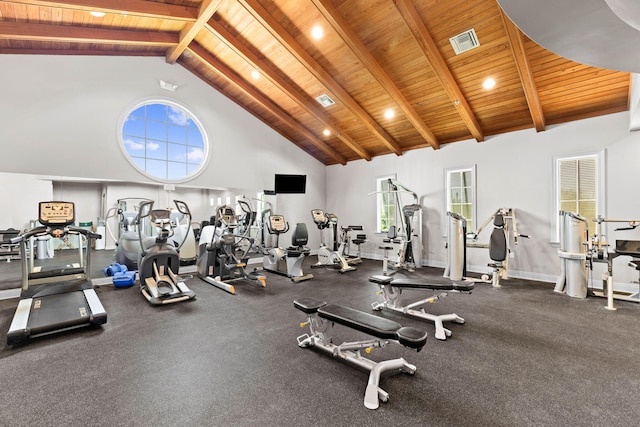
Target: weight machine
[578, 254]
[505, 230]
[407, 234]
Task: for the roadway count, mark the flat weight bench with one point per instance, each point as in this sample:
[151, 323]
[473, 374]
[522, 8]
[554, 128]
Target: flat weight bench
[392, 289]
[321, 318]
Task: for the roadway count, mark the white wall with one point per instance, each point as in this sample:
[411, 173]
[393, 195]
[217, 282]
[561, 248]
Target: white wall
[513, 170]
[20, 194]
[59, 117]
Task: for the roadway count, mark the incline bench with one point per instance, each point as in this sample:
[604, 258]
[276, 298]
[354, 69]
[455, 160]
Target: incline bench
[392, 289]
[321, 318]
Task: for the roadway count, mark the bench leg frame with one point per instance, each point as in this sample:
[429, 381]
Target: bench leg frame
[345, 351]
[392, 302]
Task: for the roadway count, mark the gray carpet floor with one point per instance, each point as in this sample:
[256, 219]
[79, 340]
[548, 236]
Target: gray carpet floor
[525, 356]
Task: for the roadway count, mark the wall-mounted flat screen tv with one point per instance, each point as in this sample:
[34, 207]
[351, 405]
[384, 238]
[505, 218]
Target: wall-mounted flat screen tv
[290, 184]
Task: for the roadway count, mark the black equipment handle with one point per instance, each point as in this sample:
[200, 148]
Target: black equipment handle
[42, 230]
[30, 233]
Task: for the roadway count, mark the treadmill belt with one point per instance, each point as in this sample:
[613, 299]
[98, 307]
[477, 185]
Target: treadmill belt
[58, 312]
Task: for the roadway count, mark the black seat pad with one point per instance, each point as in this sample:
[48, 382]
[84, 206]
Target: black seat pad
[383, 280]
[464, 286]
[421, 284]
[295, 252]
[308, 305]
[412, 337]
[363, 322]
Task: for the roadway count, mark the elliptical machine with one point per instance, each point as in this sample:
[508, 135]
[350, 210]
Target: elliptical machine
[185, 233]
[127, 243]
[294, 255]
[329, 257]
[159, 260]
[218, 259]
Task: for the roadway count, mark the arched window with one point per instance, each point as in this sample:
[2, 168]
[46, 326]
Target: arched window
[164, 141]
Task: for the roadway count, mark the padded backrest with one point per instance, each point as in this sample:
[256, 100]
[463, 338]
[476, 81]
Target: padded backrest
[392, 233]
[498, 240]
[300, 236]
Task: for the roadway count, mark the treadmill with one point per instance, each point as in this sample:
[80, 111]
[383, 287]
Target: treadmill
[54, 297]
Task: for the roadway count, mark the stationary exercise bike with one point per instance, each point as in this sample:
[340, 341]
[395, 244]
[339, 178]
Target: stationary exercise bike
[345, 243]
[330, 257]
[293, 255]
[219, 260]
[159, 259]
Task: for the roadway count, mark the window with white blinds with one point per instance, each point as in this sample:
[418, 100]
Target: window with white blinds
[578, 185]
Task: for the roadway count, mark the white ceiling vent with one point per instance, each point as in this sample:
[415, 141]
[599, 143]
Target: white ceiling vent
[324, 100]
[464, 41]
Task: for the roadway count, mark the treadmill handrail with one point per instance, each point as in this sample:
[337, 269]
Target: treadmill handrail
[42, 230]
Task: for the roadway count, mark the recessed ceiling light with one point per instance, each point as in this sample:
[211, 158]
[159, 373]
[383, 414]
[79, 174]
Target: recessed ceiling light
[389, 113]
[97, 14]
[255, 74]
[326, 132]
[489, 83]
[317, 32]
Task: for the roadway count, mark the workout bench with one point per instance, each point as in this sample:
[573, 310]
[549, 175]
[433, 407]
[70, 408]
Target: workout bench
[392, 289]
[321, 318]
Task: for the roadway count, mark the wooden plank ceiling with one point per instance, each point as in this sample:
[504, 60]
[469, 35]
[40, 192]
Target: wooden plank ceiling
[375, 55]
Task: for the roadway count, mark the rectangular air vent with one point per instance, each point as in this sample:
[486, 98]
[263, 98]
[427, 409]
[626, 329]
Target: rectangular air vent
[324, 100]
[464, 41]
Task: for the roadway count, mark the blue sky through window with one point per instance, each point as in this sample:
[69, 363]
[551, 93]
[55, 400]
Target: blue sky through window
[164, 141]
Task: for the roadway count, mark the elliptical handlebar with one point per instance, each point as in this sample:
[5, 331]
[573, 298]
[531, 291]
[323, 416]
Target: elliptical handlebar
[183, 208]
[143, 211]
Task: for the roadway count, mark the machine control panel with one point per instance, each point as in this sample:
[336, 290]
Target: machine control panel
[56, 213]
[318, 216]
[277, 223]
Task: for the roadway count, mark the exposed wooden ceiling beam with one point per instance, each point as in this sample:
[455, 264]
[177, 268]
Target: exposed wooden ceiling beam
[191, 29]
[76, 52]
[342, 27]
[130, 7]
[65, 33]
[524, 70]
[439, 65]
[274, 27]
[296, 94]
[241, 84]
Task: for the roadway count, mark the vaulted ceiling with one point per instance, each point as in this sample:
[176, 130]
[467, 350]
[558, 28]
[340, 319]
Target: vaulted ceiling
[375, 56]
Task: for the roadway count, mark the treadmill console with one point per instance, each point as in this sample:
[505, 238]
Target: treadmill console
[56, 213]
